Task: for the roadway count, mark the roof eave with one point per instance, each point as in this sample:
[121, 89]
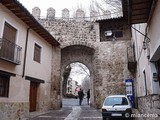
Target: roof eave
[21, 12]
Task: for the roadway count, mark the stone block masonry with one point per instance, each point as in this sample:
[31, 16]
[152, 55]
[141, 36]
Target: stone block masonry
[80, 41]
[150, 105]
[13, 111]
[108, 61]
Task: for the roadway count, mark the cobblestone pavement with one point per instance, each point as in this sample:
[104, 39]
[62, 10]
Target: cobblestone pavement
[71, 111]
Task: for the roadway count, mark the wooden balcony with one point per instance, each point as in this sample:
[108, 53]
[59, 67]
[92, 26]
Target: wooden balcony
[10, 52]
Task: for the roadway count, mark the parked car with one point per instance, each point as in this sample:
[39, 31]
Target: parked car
[116, 106]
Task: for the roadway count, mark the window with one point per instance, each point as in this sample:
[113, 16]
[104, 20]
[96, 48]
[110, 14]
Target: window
[113, 34]
[116, 101]
[4, 86]
[9, 33]
[8, 45]
[37, 53]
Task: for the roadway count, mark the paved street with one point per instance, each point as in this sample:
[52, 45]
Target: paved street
[70, 111]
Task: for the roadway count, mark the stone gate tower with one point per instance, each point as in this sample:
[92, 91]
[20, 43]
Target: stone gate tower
[85, 42]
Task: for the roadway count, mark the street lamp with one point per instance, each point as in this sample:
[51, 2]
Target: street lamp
[110, 34]
[113, 34]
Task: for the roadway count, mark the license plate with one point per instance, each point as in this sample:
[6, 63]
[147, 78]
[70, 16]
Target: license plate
[116, 114]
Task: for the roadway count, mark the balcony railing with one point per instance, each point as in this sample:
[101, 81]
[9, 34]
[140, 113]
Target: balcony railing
[9, 51]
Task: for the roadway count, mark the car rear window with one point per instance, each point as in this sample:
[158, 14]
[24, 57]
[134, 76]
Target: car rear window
[110, 101]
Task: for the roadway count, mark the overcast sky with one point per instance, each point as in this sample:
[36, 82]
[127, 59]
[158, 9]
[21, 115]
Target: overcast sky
[58, 5]
[79, 72]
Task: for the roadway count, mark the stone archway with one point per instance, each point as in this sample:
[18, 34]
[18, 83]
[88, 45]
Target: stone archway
[82, 54]
[86, 43]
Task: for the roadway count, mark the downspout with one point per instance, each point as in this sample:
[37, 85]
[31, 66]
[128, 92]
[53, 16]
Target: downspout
[129, 11]
[25, 53]
[145, 83]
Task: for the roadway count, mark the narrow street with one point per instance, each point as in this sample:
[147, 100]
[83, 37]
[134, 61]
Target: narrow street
[70, 111]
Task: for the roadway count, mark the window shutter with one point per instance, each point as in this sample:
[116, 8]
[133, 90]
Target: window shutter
[37, 53]
[9, 33]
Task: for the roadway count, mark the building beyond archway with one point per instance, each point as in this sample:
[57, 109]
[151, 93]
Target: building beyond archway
[82, 54]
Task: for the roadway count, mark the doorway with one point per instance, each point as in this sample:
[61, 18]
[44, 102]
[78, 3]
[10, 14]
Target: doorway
[33, 96]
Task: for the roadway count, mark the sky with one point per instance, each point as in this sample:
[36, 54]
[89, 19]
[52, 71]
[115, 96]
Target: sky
[77, 73]
[58, 5]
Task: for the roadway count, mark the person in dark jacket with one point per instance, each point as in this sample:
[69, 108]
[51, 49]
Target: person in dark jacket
[80, 95]
[88, 96]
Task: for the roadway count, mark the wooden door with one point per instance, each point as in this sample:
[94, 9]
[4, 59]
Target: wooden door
[33, 96]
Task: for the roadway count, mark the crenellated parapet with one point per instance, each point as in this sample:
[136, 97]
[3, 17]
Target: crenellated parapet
[65, 14]
[36, 12]
[93, 15]
[50, 13]
[79, 15]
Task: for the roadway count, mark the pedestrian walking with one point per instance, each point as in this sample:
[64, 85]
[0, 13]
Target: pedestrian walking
[88, 96]
[80, 95]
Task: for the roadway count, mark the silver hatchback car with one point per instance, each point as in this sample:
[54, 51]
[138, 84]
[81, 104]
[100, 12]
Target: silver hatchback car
[116, 106]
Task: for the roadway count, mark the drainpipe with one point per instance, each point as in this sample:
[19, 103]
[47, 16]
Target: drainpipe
[129, 12]
[25, 52]
[145, 83]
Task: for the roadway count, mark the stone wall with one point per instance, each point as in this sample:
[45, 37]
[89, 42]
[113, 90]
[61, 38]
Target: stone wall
[43, 97]
[107, 63]
[149, 105]
[55, 93]
[13, 111]
[111, 70]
